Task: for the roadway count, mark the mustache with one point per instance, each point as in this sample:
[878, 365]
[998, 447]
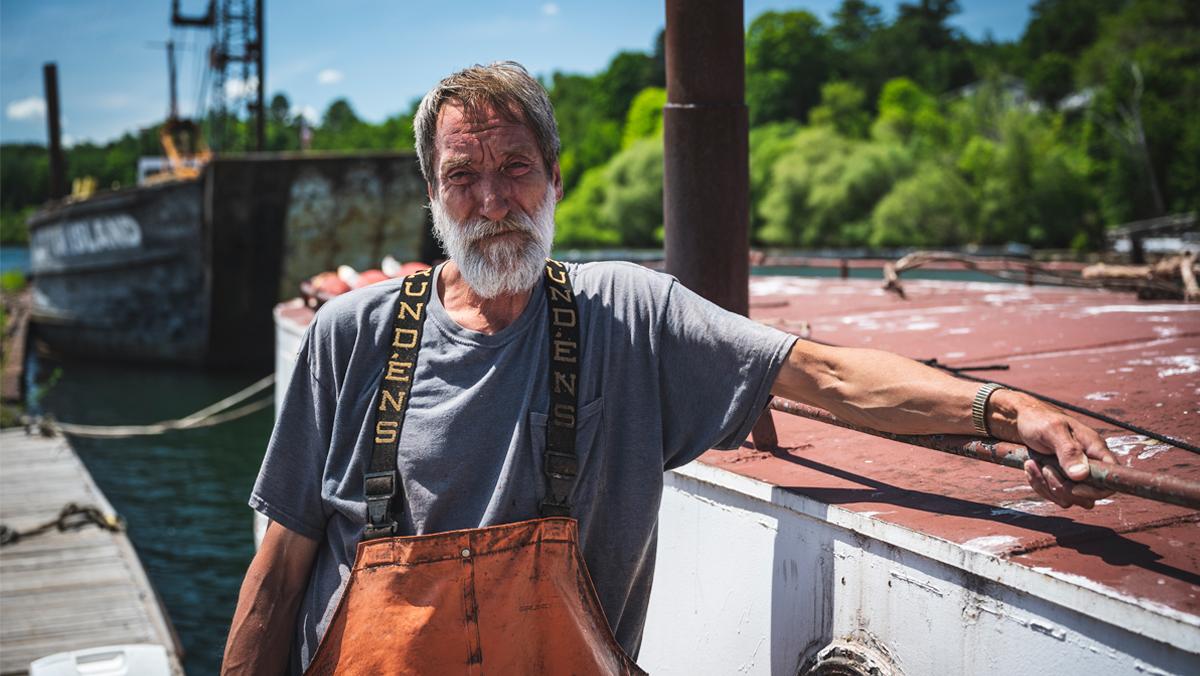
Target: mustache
[482, 228]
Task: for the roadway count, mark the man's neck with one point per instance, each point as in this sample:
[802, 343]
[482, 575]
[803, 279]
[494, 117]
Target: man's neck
[471, 311]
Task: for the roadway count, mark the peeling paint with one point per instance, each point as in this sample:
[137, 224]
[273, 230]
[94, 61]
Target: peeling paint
[1145, 447]
[1101, 396]
[1108, 309]
[1174, 365]
[929, 587]
[992, 544]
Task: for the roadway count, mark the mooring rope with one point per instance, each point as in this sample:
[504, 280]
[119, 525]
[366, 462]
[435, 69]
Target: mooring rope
[208, 416]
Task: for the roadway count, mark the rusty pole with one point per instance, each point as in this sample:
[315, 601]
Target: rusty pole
[58, 165]
[706, 159]
[260, 56]
[706, 171]
[1150, 485]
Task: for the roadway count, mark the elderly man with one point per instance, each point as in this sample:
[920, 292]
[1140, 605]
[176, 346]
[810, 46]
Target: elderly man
[466, 471]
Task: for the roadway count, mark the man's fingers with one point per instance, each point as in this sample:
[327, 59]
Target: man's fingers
[1088, 493]
[1096, 448]
[1034, 474]
[1058, 490]
[1070, 453]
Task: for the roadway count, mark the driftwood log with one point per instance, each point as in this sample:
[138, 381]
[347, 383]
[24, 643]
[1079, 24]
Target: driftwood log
[1176, 271]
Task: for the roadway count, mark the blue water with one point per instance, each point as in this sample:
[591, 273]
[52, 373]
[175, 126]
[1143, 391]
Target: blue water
[183, 494]
[14, 258]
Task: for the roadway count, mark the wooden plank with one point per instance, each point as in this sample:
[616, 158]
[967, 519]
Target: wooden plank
[66, 590]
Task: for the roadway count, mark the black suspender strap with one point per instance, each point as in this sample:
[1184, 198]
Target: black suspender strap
[383, 489]
[384, 492]
[560, 463]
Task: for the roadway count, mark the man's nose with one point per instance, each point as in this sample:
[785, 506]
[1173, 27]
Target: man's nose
[495, 203]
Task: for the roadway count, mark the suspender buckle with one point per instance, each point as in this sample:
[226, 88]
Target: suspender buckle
[551, 508]
[380, 489]
[560, 465]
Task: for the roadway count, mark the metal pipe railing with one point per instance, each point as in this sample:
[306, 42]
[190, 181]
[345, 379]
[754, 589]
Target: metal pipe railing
[1150, 485]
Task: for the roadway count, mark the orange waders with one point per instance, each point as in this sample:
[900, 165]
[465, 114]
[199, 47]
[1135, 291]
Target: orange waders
[508, 599]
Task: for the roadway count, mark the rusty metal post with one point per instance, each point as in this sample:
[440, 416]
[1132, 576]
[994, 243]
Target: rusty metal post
[706, 159]
[260, 56]
[58, 165]
[706, 172]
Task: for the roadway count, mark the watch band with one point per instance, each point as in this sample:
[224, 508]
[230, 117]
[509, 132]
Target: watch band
[979, 408]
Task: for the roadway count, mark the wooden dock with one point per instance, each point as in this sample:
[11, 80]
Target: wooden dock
[63, 591]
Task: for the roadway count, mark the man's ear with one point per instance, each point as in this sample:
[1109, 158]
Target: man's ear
[556, 177]
[429, 190]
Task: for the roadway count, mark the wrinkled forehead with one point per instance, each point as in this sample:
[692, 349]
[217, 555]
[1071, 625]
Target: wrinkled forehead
[458, 115]
[461, 126]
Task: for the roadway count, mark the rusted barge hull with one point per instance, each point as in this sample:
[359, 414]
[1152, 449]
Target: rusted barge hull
[187, 272]
[122, 274]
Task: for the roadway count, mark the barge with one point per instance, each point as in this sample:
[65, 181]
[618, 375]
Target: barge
[187, 271]
[840, 553]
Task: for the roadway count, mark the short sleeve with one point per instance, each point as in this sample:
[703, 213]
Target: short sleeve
[288, 489]
[716, 370]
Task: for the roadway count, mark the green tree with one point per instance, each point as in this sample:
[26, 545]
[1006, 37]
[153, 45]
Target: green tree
[841, 108]
[767, 143]
[824, 187]
[931, 208]
[909, 114]
[645, 117]
[854, 36]
[1051, 78]
[1066, 27]
[588, 138]
[787, 59]
[619, 203]
[921, 45]
[1143, 130]
[627, 74]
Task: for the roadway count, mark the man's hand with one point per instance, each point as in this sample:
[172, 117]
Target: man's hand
[1046, 430]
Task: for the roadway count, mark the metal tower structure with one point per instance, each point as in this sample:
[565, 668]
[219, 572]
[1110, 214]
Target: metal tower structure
[235, 61]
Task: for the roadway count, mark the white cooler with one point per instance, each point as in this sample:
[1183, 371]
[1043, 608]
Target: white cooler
[135, 659]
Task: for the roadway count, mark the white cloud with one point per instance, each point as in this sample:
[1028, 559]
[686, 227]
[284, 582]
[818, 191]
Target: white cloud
[32, 108]
[550, 9]
[307, 112]
[236, 88]
[113, 102]
[68, 140]
[330, 76]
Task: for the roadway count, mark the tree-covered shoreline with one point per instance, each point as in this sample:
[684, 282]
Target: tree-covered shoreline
[864, 132]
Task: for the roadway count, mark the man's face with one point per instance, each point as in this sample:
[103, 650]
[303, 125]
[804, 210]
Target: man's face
[493, 205]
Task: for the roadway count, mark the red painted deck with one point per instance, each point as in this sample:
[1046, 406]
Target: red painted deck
[1136, 361]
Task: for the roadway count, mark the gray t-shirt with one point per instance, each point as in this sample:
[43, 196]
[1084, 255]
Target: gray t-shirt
[664, 376]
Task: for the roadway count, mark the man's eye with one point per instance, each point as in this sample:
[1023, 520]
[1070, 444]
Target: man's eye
[518, 167]
[458, 176]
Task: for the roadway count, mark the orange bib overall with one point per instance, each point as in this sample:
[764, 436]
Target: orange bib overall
[508, 599]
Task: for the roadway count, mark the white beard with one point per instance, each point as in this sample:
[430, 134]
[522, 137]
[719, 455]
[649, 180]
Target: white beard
[494, 267]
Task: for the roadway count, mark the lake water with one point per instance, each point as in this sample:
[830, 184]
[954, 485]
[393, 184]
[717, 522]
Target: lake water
[14, 258]
[183, 494]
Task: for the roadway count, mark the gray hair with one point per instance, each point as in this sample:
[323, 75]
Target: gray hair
[504, 86]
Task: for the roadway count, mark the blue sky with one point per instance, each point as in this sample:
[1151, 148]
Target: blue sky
[378, 54]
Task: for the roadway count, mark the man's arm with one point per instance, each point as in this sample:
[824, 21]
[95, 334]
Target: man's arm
[890, 393]
[265, 619]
